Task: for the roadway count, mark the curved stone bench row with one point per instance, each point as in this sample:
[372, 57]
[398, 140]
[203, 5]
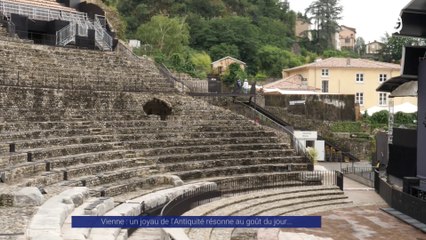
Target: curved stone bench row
[120, 134]
[232, 171]
[139, 140]
[136, 206]
[46, 224]
[268, 203]
[148, 124]
[161, 150]
[206, 164]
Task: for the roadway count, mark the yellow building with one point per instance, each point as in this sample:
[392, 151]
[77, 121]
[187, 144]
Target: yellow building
[359, 77]
[222, 64]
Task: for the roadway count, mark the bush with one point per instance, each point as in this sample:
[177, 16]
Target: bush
[379, 117]
[313, 154]
[405, 118]
[346, 127]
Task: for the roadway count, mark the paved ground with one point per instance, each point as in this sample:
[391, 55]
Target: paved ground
[365, 221]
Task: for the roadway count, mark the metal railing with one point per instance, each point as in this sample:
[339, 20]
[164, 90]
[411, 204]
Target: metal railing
[102, 38]
[226, 187]
[180, 85]
[39, 13]
[261, 116]
[279, 180]
[66, 35]
[190, 199]
[364, 175]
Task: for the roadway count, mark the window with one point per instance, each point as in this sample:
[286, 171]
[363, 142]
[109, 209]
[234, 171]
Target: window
[324, 86]
[324, 72]
[383, 77]
[360, 77]
[383, 99]
[359, 98]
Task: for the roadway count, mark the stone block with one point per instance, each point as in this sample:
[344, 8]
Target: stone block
[123, 235]
[43, 235]
[29, 196]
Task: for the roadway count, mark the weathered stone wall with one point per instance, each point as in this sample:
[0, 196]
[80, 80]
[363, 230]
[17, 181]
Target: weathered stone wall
[361, 148]
[318, 107]
[17, 102]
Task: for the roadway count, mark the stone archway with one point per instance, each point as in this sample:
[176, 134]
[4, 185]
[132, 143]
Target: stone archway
[158, 107]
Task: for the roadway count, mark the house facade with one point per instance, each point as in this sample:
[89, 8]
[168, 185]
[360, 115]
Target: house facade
[221, 65]
[347, 37]
[373, 47]
[302, 28]
[360, 77]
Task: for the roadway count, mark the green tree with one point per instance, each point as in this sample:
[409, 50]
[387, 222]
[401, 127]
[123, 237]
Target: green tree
[360, 48]
[222, 50]
[324, 14]
[208, 9]
[272, 60]
[202, 64]
[393, 45]
[336, 53]
[233, 73]
[166, 35]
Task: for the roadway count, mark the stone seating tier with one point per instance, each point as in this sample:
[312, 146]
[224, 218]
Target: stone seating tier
[274, 202]
[90, 69]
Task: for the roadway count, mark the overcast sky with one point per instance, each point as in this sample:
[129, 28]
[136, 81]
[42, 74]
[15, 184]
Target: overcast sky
[371, 18]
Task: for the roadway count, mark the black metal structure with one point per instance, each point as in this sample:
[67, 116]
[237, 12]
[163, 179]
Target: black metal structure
[410, 205]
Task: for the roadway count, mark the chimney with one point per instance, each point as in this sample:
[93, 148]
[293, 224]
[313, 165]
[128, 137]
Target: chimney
[348, 62]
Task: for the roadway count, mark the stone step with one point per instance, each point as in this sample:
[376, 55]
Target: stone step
[15, 173]
[111, 176]
[97, 168]
[89, 158]
[267, 206]
[212, 155]
[163, 133]
[4, 149]
[208, 209]
[136, 140]
[39, 154]
[124, 186]
[90, 207]
[8, 160]
[194, 146]
[36, 174]
[231, 171]
[206, 164]
[189, 124]
[146, 234]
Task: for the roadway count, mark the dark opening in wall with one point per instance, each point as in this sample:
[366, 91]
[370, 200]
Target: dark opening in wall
[158, 107]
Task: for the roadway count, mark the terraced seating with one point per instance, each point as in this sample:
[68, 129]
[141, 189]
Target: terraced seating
[85, 126]
[277, 202]
[90, 69]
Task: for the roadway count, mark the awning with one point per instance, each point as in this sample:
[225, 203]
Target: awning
[413, 18]
[393, 83]
[408, 89]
